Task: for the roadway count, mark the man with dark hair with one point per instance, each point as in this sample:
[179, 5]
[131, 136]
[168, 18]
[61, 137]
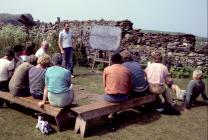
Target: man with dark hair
[66, 45]
[116, 80]
[4, 73]
[117, 84]
[16, 61]
[139, 83]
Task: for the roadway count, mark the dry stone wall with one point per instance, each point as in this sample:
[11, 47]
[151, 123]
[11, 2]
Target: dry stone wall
[179, 48]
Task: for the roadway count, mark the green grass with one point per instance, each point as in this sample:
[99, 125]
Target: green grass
[91, 81]
[18, 123]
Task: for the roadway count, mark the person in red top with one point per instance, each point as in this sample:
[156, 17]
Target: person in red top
[116, 80]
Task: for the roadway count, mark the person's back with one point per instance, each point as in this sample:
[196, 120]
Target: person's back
[37, 77]
[19, 83]
[4, 75]
[4, 72]
[116, 80]
[37, 81]
[156, 73]
[139, 83]
[58, 88]
[16, 61]
[58, 79]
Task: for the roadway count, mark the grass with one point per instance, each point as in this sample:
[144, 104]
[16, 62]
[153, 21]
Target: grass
[19, 123]
[91, 81]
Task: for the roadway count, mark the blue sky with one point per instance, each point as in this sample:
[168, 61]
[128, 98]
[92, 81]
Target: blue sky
[189, 16]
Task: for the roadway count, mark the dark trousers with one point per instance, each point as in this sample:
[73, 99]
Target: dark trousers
[4, 86]
[68, 59]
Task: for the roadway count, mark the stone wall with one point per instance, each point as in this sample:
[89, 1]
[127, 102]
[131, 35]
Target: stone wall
[179, 48]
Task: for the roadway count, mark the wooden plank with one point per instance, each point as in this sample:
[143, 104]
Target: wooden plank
[32, 103]
[102, 108]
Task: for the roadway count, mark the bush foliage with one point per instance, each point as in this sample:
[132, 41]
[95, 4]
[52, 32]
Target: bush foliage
[10, 36]
[184, 72]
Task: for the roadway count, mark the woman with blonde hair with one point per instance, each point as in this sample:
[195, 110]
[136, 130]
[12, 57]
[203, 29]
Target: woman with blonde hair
[37, 77]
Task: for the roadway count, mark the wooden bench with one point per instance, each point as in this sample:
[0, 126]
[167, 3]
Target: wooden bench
[102, 108]
[60, 114]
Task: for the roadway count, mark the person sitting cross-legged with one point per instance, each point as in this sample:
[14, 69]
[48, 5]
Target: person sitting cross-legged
[58, 88]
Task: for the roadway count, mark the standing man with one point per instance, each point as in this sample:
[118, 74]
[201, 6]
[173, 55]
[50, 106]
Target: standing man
[65, 43]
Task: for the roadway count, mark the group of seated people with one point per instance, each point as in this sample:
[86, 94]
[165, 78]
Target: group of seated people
[126, 77]
[39, 75]
[43, 77]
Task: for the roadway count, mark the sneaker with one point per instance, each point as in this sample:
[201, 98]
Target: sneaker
[72, 76]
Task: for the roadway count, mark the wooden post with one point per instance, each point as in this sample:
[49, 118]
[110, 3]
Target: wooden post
[80, 126]
[97, 59]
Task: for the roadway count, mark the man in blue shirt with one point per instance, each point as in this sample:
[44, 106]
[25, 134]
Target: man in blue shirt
[139, 83]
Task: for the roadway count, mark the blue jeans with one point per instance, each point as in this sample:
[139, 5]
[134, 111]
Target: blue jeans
[116, 98]
[68, 59]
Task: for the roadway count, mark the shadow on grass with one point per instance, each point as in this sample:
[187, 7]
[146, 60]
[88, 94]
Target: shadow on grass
[34, 114]
[124, 119]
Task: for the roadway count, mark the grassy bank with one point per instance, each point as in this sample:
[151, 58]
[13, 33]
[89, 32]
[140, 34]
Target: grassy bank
[18, 123]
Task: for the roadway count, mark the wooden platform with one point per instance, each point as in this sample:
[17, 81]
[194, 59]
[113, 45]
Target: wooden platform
[60, 114]
[102, 108]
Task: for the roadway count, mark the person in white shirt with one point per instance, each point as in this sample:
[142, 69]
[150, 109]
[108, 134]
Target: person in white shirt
[4, 73]
[42, 50]
[66, 45]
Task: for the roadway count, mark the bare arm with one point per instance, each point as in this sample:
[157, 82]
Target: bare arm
[60, 45]
[45, 96]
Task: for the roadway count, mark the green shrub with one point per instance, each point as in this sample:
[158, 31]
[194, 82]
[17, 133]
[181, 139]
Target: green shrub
[11, 35]
[184, 72]
[181, 72]
[80, 56]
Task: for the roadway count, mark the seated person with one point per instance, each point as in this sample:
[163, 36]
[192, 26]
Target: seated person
[4, 73]
[139, 83]
[178, 91]
[57, 84]
[195, 87]
[42, 50]
[157, 74]
[17, 59]
[169, 81]
[37, 77]
[19, 83]
[29, 50]
[116, 80]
